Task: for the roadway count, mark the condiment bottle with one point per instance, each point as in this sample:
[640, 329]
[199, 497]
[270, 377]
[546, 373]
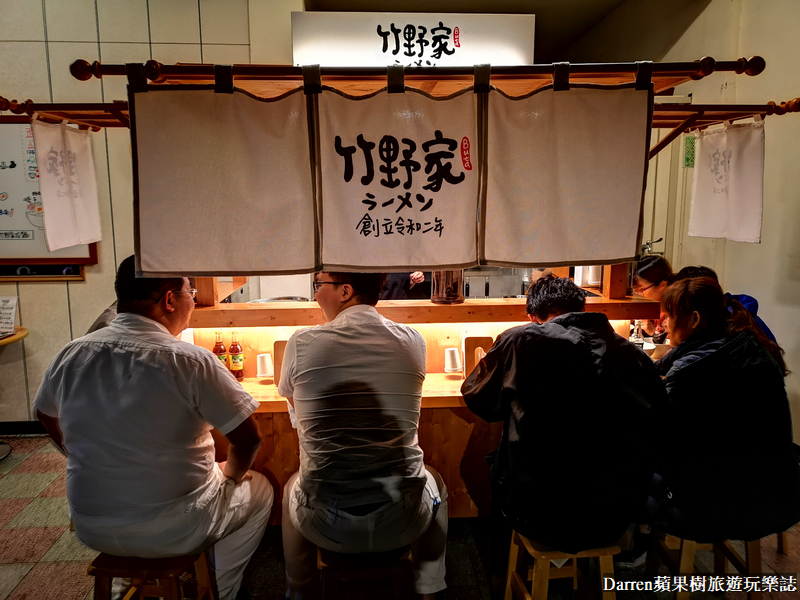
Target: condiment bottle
[236, 355]
[219, 349]
[637, 338]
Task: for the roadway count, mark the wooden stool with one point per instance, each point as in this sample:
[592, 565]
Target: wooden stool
[541, 572]
[143, 573]
[366, 575]
[664, 547]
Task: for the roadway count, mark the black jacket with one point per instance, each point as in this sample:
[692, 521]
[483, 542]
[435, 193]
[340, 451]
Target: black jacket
[579, 405]
[728, 458]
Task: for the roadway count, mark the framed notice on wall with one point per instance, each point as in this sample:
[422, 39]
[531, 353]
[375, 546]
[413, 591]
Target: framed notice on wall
[22, 239]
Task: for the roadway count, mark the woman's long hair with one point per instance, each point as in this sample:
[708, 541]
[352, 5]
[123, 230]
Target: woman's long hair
[704, 295]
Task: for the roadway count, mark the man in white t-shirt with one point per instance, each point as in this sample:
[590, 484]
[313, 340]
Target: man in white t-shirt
[355, 386]
[133, 408]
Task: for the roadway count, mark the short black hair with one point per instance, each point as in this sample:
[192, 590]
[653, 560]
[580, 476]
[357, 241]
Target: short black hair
[138, 294]
[654, 269]
[698, 271]
[366, 286]
[551, 296]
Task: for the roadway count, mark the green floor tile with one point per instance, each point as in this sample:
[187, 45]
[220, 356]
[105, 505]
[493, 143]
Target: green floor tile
[10, 576]
[12, 461]
[42, 512]
[69, 547]
[25, 485]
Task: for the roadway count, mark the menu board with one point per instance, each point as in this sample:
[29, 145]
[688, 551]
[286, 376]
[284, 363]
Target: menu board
[22, 239]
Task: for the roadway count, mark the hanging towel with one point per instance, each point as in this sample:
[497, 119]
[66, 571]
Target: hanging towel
[67, 183]
[727, 190]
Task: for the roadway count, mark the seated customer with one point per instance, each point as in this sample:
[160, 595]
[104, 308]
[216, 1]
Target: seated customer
[356, 384]
[728, 470]
[750, 303]
[579, 409]
[133, 408]
[653, 275]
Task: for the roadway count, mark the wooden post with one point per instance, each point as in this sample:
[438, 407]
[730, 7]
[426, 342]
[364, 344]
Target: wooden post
[206, 291]
[615, 280]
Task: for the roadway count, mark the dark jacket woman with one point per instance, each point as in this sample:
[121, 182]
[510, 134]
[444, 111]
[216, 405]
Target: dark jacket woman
[729, 467]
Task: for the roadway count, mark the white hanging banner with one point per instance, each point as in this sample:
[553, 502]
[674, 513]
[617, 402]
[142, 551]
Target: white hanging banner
[728, 183]
[224, 183]
[566, 176]
[68, 185]
[399, 181]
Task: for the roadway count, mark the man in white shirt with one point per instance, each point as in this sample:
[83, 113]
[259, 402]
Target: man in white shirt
[133, 408]
[355, 385]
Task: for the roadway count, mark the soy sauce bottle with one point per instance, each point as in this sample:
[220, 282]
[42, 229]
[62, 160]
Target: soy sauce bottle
[236, 355]
[219, 349]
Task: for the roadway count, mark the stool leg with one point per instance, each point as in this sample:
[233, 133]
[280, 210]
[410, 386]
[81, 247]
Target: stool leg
[753, 552]
[102, 588]
[206, 584]
[512, 565]
[720, 562]
[541, 579]
[607, 568]
[686, 564]
[171, 588]
[783, 542]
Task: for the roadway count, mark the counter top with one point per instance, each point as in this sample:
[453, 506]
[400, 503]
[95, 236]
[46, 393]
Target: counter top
[440, 390]
[307, 314]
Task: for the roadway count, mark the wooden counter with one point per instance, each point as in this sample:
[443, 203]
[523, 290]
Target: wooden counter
[440, 390]
[307, 314]
[455, 442]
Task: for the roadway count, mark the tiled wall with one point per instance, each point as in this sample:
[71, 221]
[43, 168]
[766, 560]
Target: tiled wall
[39, 39]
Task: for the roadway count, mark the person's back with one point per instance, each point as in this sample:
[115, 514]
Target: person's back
[133, 407]
[357, 388]
[728, 457]
[130, 413]
[575, 462]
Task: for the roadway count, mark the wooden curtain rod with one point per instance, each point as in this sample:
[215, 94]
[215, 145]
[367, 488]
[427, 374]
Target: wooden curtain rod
[159, 73]
[86, 116]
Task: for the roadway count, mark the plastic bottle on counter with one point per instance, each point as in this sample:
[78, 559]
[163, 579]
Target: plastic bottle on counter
[637, 338]
[236, 356]
[219, 348]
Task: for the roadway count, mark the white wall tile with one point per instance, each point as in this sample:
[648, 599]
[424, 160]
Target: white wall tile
[120, 174]
[225, 54]
[43, 310]
[174, 21]
[73, 21]
[123, 20]
[87, 299]
[65, 87]
[13, 393]
[271, 30]
[115, 87]
[23, 71]
[224, 22]
[169, 54]
[21, 20]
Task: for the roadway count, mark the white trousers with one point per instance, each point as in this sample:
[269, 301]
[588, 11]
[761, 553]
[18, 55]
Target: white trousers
[387, 528]
[232, 520]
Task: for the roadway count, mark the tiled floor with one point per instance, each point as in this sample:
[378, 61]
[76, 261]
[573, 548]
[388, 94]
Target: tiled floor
[40, 559]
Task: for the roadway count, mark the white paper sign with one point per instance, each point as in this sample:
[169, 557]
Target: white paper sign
[727, 187]
[21, 210]
[350, 39]
[224, 184]
[399, 181]
[68, 185]
[566, 176]
[8, 314]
